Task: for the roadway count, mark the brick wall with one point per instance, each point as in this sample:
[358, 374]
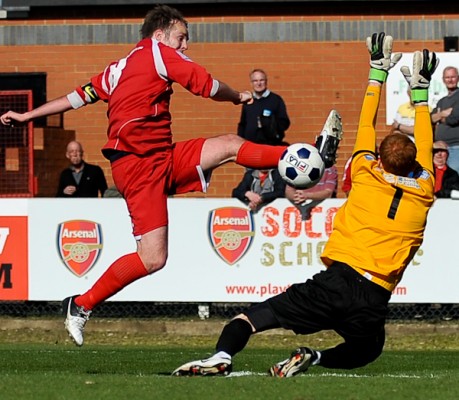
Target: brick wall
[315, 62]
[50, 145]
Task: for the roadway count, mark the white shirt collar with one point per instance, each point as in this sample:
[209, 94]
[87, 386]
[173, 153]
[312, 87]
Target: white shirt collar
[266, 93]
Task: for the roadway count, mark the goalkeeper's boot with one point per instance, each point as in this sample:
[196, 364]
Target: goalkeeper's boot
[75, 319]
[299, 361]
[212, 366]
[328, 141]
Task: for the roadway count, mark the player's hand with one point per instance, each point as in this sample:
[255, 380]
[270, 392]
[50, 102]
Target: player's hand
[424, 65]
[381, 58]
[12, 118]
[245, 97]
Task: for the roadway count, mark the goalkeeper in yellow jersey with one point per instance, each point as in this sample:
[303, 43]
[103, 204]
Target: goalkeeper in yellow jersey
[375, 236]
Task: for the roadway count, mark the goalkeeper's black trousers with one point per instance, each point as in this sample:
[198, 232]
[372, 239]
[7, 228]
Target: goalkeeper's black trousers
[338, 299]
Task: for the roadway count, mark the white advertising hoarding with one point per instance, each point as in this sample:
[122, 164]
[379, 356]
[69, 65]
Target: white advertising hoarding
[218, 251]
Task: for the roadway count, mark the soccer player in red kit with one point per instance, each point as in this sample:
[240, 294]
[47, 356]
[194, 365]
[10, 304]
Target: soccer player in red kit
[146, 165]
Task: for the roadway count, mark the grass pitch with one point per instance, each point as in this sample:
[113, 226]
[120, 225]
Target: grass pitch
[39, 364]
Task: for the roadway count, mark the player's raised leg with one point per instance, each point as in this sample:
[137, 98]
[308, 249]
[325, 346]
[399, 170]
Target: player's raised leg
[219, 150]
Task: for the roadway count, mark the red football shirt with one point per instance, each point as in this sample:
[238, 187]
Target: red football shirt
[138, 90]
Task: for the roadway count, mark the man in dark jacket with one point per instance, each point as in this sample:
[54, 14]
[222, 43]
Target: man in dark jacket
[259, 187]
[80, 179]
[264, 120]
[446, 178]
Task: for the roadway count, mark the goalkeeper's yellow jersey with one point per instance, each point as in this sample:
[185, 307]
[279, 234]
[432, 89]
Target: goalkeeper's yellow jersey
[380, 227]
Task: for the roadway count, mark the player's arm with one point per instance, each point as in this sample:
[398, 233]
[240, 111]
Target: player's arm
[81, 96]
[423, 136]
[381, 61]
[85, 94]
[56, 106]
[366, 134]
[424, 65]
[226, 93]
[196, 79]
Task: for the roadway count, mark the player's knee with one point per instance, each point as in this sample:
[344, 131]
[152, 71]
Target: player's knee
[365, 352]
[234, 143]
[244, 317]
[367, 355]
[154, 264]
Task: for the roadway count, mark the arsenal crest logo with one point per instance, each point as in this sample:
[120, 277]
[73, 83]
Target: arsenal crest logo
[79, 243]
[231, 232]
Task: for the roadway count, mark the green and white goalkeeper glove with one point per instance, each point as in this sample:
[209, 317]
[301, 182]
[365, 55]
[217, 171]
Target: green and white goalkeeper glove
[381, 58]
[424, 65]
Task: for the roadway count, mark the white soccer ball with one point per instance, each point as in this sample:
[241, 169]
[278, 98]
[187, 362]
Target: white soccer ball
[301, 165]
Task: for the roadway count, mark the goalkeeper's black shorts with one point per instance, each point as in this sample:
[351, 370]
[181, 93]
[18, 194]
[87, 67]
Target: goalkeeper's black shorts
[338, 299]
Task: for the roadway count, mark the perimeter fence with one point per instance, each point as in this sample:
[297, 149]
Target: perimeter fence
[24, 309]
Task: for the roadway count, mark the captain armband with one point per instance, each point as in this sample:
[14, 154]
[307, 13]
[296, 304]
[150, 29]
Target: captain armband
[83, 95]
[90, 94]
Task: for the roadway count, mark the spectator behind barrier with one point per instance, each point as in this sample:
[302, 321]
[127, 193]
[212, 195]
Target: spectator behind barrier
[259, 187]
[80, 179]
[445, 117]
[306, 199]
[264, 120]
[446, 178]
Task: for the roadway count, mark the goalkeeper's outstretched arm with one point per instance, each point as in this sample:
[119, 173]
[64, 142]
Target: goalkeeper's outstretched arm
[424, 65]
[381, 61]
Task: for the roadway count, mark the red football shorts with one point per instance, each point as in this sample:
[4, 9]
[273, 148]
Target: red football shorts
[146, 182]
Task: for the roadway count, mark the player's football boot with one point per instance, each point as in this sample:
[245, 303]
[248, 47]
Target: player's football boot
[299, 361]
[328, 141]
[209, 367]
[75, 319]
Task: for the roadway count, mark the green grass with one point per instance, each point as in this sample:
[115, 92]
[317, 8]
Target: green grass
[62, 371]
[133, 359]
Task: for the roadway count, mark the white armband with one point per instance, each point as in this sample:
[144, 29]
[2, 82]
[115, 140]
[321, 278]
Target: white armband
[75, 100]
[215, 87]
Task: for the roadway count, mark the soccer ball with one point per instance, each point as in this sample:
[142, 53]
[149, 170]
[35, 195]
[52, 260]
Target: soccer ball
[301, 165]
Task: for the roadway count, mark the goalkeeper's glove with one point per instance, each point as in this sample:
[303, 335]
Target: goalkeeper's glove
[381, 58]
[424, 65]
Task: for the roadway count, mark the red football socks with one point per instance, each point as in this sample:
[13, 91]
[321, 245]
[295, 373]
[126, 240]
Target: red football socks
[259, 156]
[121, 273]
